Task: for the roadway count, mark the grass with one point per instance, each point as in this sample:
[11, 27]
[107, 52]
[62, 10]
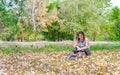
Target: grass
[53, 48]
[49, 48]
[105, 47]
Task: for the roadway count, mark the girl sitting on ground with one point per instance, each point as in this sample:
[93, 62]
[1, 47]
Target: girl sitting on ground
[81, 47]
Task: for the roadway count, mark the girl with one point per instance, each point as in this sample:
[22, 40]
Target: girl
[81, 47]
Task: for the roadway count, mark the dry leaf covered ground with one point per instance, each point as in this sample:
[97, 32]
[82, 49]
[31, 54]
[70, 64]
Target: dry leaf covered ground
[56, 63]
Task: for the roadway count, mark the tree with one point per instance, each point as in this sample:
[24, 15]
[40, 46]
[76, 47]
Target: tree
[115, 18]
[82, 15]
[39, 16]
[8, 19]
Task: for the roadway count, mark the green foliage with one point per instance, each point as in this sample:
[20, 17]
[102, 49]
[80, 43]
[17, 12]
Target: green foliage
[74, 17]
[9, 32]
[54, 33]
[9, 21]
[114, 24]
[53, 5]
[2, 6]
[115, 14]
[10, 18]
[58, 20]
[118, 30]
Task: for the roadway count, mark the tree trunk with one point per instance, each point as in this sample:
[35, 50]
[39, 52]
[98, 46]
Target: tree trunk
[58, 36]
[94, 36]
[106, 36]
[22, 40]
[76, 14]
[33, 18]
[74, 36]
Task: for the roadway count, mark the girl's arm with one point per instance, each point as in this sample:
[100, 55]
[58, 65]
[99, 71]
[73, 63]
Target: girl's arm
[87, 45]
[75, 44]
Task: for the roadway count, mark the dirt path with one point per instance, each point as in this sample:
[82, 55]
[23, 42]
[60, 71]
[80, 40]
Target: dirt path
[43, 43]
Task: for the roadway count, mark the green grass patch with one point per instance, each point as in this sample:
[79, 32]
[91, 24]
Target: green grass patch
[57, 48]
[53, 48]
[105, 47]
[17, 49]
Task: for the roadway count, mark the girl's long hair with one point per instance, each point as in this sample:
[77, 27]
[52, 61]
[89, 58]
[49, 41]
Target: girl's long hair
[80, 32]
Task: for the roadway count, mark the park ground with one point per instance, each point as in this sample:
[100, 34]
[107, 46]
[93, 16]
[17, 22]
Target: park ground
[50, 58]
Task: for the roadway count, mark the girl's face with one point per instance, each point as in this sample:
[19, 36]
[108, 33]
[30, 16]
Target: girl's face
[80, 36]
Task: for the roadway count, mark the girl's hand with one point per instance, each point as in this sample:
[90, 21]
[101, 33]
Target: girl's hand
[78, 48]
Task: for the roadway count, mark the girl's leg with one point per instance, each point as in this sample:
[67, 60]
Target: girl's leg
[81, 55]
[84, 55]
